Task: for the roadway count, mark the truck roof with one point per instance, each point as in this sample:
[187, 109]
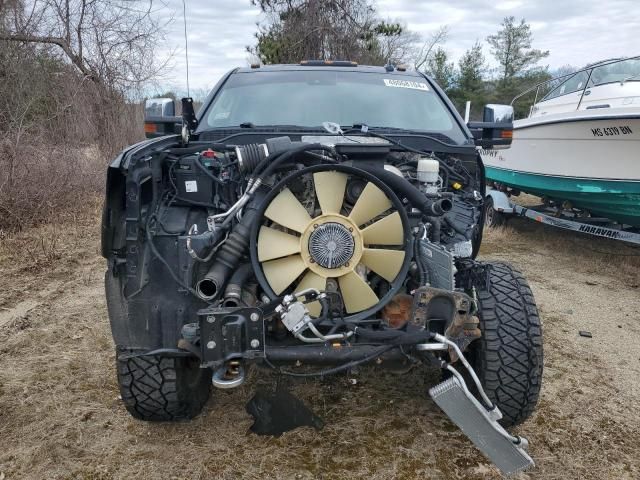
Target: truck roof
[341, 68]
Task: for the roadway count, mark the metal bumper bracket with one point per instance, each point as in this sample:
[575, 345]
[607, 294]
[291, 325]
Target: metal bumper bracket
[231, 333]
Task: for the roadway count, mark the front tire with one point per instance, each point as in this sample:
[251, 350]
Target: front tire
[153, 387]
[161, 388]
[508, 358]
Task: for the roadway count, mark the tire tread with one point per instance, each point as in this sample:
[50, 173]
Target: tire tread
[509, 355]
[155, 388]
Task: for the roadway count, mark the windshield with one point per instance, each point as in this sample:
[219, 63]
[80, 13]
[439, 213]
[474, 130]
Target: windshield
[621, 71]
[307, 98]
[627, 70]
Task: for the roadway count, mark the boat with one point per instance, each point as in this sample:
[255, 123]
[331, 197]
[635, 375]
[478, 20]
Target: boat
[579, 147]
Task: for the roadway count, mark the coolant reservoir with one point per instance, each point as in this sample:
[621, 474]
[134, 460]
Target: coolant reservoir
[428, 170]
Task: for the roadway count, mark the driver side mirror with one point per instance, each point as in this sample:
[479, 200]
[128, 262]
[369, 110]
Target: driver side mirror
[496, 129]
[160, 118]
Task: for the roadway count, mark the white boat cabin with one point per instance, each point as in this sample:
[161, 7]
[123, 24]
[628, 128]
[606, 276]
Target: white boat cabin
[604, 85]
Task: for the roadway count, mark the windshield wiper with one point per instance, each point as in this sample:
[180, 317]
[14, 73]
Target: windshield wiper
[365, 129]
[275, 127]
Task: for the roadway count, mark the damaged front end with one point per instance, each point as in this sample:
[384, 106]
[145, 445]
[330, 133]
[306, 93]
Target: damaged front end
[308, 258]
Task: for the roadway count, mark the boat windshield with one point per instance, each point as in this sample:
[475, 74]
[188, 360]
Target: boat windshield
[624, 71]
[574, 83]
[602, 73]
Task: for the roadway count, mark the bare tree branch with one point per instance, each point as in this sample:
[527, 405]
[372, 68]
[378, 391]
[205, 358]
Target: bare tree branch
[111, 41]
[60, 42]
[435, 39]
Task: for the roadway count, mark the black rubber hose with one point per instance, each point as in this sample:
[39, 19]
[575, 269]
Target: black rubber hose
[436, 228]
[233, 292]
[325, 310]
[422, 274]
[229, 255]
[279, 159]
[411, 193]
[241, 275]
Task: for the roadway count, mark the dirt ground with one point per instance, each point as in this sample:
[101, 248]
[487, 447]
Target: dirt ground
[61, 417]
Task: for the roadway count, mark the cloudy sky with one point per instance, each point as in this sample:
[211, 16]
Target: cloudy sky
[576, 32]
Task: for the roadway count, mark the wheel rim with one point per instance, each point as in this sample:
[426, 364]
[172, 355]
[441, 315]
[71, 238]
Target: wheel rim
[489, 213]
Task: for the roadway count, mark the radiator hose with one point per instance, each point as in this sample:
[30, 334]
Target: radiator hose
[405, 189]
[211, 286]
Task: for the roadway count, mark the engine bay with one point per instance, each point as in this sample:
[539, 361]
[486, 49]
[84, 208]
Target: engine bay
[325, 236]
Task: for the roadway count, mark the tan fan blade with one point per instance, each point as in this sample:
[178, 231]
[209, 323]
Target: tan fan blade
[274, 243]
[312, 280]
[330, 188]
[356, 293]
[282, 272]
[372, 202]
[386, 263]
[386, 231]
[287, 211]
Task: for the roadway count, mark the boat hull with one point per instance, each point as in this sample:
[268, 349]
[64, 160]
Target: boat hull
[591, 161]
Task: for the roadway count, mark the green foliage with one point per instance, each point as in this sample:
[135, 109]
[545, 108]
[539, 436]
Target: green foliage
[472, 68]
[351, 30]
[387, 29]
[511, 46]
[322, 30]
[442, 70]
[470, 82]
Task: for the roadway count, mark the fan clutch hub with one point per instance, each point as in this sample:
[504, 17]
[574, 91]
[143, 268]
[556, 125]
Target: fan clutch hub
[331, 245]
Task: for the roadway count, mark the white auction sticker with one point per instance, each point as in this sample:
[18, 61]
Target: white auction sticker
[191, 186]
[406, 84]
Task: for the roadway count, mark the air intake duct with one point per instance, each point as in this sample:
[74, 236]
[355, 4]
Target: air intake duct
[249, 156]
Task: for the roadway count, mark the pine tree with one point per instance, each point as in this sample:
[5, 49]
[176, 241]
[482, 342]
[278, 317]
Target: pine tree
[470, 85]
[512, 48]
[442, 70]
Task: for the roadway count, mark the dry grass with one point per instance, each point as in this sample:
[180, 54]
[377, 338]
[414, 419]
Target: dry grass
[39, 182]
[30, 259]
[60, 415]
[594, 256]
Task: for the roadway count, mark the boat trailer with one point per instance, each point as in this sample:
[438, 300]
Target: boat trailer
[499, 207]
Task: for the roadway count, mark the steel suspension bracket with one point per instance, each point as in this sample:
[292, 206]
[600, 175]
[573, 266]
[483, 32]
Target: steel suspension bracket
[230, 334]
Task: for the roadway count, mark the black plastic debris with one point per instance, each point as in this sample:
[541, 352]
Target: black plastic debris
[584, 333]
[277, 412]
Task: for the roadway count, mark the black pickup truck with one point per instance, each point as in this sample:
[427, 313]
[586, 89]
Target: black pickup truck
[311, 218]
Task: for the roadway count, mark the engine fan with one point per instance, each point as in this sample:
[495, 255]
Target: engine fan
[300, 247]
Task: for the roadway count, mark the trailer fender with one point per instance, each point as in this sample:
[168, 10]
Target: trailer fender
[501, 202]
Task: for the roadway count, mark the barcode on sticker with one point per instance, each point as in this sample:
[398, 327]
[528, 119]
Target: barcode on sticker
[191, 186]
[406, 84]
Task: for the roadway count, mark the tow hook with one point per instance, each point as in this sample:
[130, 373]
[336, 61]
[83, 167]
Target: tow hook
[230, 375]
